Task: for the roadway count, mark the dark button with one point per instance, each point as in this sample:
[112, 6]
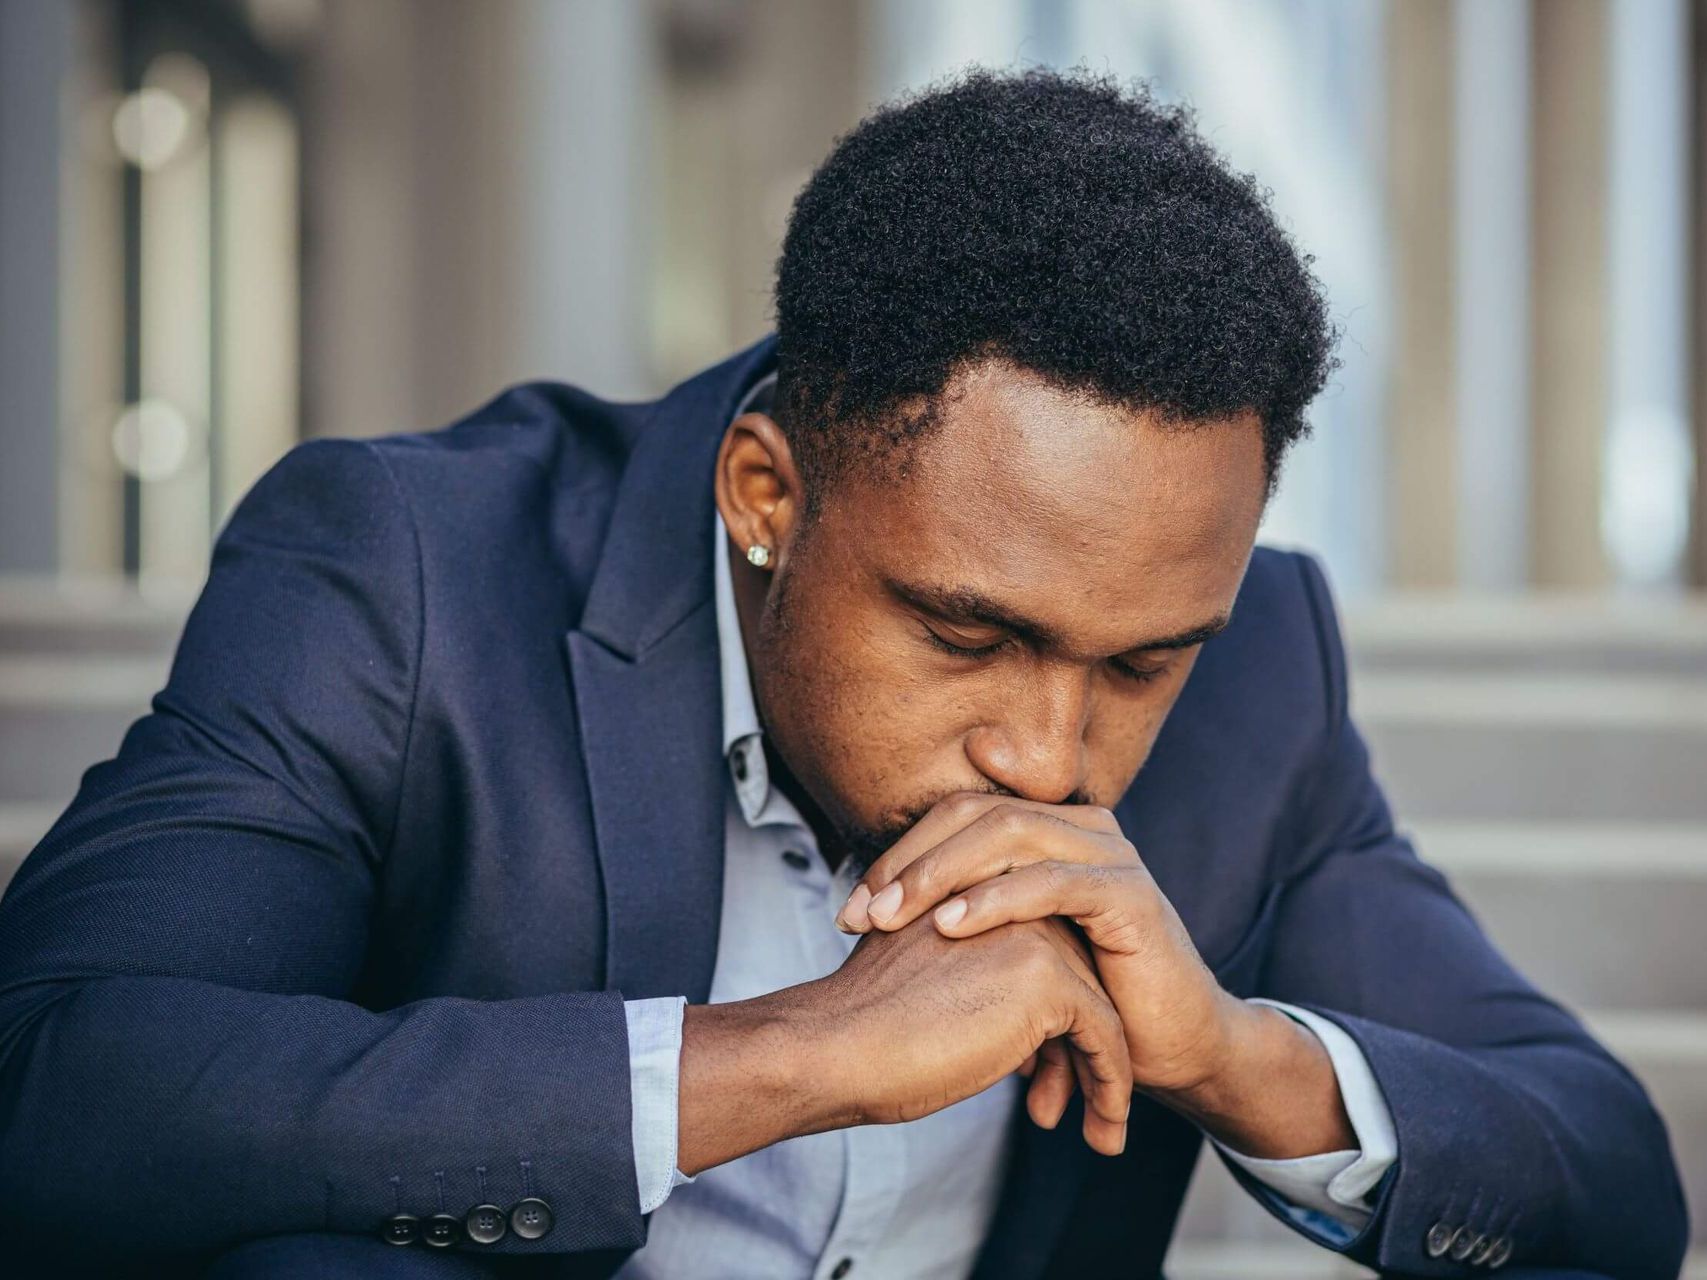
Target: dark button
[795, 859]
[486, 1224]
[842, 1268]
[1439, 1239]
[1502, 1251]
[739, 763]
[442, 1230]
[1484, 1246]
[403, 1229]
[1462, 1243]
[531, 1218]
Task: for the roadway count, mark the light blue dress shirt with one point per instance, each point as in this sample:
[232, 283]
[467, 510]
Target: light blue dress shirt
[905, 1200]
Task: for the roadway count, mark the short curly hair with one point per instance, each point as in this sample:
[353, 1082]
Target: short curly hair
[1063, 222]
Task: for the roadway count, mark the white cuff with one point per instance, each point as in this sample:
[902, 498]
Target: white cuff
[1334, 1183]
[654, 1074]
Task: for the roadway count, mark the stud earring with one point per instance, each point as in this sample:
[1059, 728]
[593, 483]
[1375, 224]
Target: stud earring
[758, 555]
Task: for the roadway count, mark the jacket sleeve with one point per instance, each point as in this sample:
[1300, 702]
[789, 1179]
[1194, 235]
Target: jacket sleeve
[1511, 1120]
[181, 1059]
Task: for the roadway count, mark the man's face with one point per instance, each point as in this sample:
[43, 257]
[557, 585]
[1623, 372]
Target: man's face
[1016, 614]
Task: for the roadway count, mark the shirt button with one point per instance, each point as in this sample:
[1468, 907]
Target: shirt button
[405, 1228]
[486, 1224]
[530, 1219]
[842, 1268]
[738, 762]
[795, 859]
[441, 1230]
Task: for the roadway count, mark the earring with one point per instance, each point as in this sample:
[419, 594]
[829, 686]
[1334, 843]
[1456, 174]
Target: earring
[758, 555]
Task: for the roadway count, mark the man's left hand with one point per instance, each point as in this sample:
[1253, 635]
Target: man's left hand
[1241, 1070]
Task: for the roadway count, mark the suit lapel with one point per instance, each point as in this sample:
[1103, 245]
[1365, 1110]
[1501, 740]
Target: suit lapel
[644, 668]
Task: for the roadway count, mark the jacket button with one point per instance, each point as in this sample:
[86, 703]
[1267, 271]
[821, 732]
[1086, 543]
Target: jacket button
[1502, 1251]
[1484, 1246]
[1439, 1239]
[531, 1218]
[485, 1224]
[442, 1230]
[402, 1229]
[1462, 1243]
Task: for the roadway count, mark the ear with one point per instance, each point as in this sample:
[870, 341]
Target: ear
[759, 491]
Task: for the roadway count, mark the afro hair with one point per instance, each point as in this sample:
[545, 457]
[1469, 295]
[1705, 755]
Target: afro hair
[1062, 222]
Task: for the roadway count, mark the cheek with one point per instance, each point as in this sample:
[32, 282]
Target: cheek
[860, 729]
[1125, 729]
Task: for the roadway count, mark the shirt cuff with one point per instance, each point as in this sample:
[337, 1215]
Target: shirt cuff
[1335, 1184]
[654, 1075]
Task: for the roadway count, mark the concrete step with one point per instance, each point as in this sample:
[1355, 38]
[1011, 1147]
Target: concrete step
[61, 714]
[21, 828]
[1474, 746]
[1288, 1258]
[1667, 1051]
[101, 616]
[1285, 1257]
[1599, 915]
[1422, 632]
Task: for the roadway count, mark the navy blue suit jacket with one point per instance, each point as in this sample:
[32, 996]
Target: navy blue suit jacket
[346, 927]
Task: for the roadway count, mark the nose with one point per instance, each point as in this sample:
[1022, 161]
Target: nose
[1034, 744]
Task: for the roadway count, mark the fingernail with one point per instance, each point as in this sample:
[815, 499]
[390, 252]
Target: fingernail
[852, 917]
[886, 903]
[950, 914]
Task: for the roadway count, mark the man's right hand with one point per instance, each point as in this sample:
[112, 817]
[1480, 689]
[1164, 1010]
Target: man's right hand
[911, 1023]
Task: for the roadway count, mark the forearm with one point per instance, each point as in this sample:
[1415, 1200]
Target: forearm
[1273, 1094]
[198, 1115]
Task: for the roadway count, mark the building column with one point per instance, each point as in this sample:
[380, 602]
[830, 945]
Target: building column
[1568, 302]
[1423, 399]
[36, 43]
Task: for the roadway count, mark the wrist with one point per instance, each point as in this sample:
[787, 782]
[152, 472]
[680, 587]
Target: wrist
[1273, 1093]
[1211, 1084]
[752, 1074]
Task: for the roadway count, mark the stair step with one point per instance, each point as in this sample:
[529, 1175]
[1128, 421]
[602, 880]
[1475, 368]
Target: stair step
[1540, 748]
[1289, 1258]
[39, 615]
[1596, 914]
[21, 828]
[1427, 631]
[59, 714]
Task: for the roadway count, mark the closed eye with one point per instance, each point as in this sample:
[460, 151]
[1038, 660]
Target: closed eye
[965, 651]
[1125, 670]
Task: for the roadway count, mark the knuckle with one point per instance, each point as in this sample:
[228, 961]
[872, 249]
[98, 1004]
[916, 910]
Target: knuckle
[1054, 876]
[1008, 819]
[965, 806]
[1103, 819]
[919, 877]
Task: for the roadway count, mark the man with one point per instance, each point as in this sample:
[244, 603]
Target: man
[468, 904]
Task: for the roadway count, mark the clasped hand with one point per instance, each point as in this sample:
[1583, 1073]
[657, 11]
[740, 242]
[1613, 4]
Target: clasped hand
[977, 863]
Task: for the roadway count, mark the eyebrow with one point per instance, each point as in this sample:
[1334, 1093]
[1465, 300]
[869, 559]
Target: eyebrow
[963, 604]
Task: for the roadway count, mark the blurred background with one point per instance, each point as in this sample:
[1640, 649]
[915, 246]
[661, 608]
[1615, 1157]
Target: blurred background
[228, 225]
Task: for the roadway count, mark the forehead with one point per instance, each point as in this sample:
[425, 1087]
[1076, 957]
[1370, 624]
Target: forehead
[1098, 518]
